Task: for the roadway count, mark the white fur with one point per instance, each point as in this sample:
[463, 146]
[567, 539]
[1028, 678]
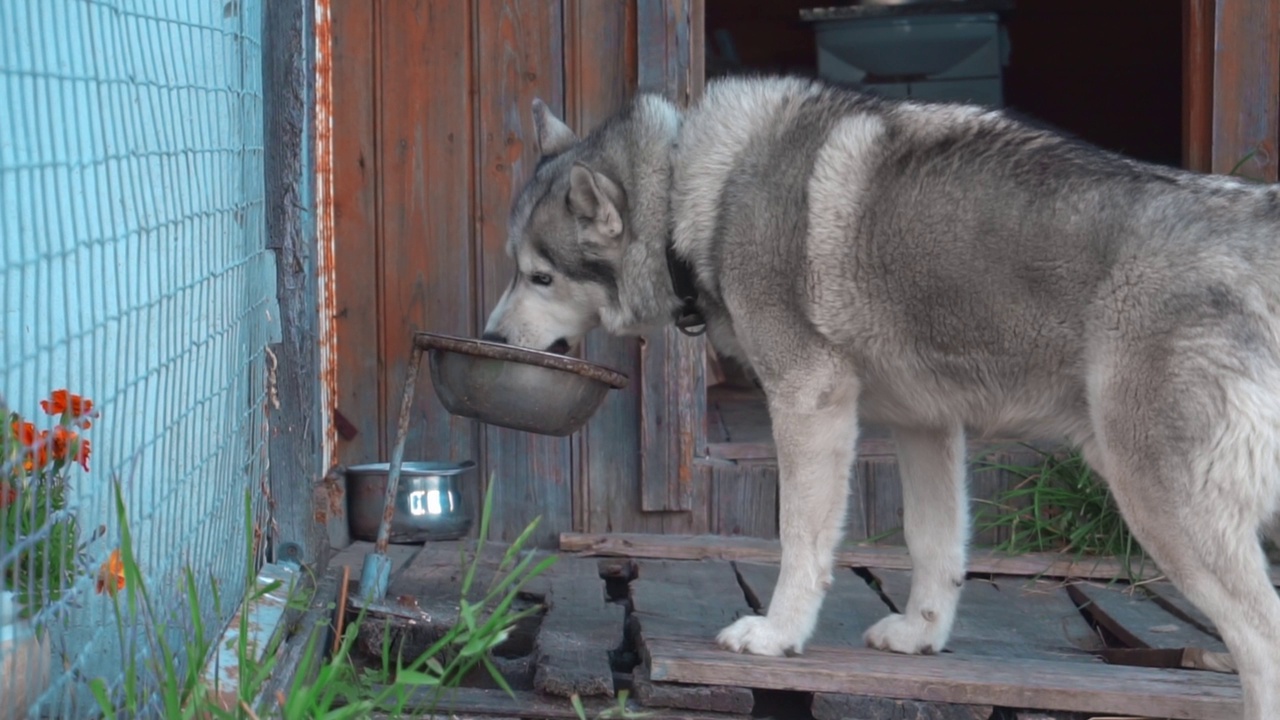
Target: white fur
[736, 109]
[837, 192]
[815, 437]
[936, 525]
[1224, 571]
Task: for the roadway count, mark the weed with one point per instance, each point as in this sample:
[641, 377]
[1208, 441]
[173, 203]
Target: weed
[338, 690]
[1060, 505]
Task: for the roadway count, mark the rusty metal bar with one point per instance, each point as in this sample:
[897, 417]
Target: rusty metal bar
[376, 574]
[326, 259]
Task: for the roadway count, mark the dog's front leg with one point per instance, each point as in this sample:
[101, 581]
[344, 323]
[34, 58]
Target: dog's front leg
[815, 436]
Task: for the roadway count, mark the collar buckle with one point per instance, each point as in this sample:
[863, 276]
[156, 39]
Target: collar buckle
[688, 318]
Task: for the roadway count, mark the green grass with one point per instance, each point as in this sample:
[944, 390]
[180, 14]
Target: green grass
[339, 688]
[1060, 505]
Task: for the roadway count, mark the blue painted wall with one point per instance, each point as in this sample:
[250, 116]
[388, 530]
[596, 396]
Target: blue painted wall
[134, 270]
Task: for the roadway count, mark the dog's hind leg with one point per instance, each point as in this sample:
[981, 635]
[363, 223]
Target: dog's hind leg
[1194, 467]
[816, 434]
[936, 525]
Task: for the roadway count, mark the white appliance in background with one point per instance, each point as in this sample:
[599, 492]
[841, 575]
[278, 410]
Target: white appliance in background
[901, 51]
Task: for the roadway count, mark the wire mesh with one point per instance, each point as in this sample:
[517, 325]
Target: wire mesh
[134, 273]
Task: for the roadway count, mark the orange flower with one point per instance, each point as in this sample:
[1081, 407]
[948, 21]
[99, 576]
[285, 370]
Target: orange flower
[62, 437]
[36, 442]
[61, 401]
[25, 433]
[110, 574]
[68, 442]
[82, 454]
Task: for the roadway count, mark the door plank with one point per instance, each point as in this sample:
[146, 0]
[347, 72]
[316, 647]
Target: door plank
[1246, 87]
[519, 56]
[425, 253]
[356, 238]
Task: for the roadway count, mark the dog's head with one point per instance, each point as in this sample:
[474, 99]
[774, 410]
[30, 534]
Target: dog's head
[566, 233]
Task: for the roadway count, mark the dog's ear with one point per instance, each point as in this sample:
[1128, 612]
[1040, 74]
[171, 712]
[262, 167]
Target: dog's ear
[554, 137]
[595, 198]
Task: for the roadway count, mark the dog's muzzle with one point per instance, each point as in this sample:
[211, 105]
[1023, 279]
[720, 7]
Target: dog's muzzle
[559, 347]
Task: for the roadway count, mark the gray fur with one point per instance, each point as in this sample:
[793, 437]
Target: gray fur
[948, 271]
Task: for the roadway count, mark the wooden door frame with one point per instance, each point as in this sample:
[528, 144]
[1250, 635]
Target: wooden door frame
[673, 394]
[1231, 86]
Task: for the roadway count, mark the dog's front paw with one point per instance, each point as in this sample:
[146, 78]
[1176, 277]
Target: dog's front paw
[755, 635]
[896, 633]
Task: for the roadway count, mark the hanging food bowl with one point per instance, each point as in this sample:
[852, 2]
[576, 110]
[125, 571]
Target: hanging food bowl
[516, 388]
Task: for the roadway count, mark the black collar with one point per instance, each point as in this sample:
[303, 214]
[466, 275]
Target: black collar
[688, 317]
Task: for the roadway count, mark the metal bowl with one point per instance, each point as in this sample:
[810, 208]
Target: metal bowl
[517, 388]
[430, 501]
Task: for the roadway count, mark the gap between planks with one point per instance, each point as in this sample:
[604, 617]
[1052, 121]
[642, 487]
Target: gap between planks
[759, 550]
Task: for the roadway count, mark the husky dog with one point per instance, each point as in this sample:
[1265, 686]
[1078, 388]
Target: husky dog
[940, 269]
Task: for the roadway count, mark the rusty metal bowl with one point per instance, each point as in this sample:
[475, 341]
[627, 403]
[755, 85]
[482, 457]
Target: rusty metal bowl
[516, 388]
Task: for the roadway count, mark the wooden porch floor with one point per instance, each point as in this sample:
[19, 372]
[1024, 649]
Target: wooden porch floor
[647, 623]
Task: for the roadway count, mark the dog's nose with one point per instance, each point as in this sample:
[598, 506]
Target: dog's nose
[494, 337]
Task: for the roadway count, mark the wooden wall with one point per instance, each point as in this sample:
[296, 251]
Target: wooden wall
[433, 136]
[1231, 85]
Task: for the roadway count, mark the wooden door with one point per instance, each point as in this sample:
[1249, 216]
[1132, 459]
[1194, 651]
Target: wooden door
[1231, 87]
[432, 137]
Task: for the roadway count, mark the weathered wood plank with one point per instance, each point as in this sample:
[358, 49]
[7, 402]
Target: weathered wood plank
[472, 702]
[832, 706]
[987, 482]
[577, 632]
[426, 172]
[715, 547]
[690, 600]
[1010, 618]
[678, 696]
[697, 520]
[599, 47]
[882, 484]
[1197, 84]
[1141, 623]
[314, 628]
[672, 406]
[422, 599]
[1246, 88]
[851, 606]
[745, 500]
[685, 599]
[293, 410]
[519, 55]
[1020, 683]
[356, 237]
[354, 554]
[673, 392]
[1167, 596]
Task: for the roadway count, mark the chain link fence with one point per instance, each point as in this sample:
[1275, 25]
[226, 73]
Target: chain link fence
[137, 302]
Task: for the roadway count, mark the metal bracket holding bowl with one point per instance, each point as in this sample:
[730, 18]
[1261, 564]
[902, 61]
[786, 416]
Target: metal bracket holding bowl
[497, 384]
[517, 388]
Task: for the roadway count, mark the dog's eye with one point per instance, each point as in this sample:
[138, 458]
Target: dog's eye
[540, 279]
